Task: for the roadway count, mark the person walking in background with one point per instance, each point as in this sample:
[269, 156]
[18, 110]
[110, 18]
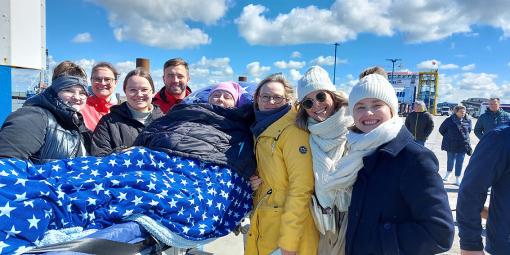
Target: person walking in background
[398, 204]
[118, 129]
[50, 126]
[176, 78]
[281, 220]
[489, 167]
[491, 118]
[420, 122]
[455, 131]
[323, 112]
[104, 81]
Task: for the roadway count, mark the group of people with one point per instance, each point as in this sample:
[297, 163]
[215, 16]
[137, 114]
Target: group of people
[373, 183]
[487, 170]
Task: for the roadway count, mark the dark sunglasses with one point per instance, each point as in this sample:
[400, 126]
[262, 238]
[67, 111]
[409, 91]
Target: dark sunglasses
[308, 103]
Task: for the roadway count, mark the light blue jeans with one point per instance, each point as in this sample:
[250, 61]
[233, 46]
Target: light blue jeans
[456, 158]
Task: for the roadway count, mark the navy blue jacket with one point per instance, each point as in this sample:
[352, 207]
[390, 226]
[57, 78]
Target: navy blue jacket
[488, 167]
[453, 139]
[209, 133]
[399, 205]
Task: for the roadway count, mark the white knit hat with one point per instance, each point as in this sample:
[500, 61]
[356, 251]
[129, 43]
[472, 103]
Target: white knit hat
[374, 86]
[315, 78]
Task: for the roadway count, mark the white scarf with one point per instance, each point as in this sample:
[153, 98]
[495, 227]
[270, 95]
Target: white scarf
[327, 143]
[336, 186]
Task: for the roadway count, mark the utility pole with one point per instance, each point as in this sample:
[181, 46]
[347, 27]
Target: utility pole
[393, 60]
[334, 67]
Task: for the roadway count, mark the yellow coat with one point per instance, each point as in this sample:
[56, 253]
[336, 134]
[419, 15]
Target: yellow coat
[281, 216]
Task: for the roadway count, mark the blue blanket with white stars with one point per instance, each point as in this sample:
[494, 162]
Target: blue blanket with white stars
[194, 200]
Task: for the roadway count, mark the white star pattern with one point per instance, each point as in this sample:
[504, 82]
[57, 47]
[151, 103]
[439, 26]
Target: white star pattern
[90, 191]
[33, 222]
[6, 210]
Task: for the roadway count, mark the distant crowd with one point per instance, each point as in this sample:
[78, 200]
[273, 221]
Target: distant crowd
[331, 173]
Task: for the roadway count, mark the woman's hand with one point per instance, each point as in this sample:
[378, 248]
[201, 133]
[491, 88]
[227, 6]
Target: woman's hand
[255, 182]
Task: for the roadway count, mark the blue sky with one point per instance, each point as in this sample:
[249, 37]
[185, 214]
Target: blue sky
[223, 39]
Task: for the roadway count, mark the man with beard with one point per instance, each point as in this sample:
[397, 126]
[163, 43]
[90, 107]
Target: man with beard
[176, 78]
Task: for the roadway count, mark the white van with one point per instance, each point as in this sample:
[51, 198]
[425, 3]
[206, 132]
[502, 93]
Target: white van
[445, 110]
[484, 106]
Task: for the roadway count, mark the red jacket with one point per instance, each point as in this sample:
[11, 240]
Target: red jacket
[166, 101]
[94, 110]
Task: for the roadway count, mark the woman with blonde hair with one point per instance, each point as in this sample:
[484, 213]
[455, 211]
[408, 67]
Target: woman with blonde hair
[281, 220]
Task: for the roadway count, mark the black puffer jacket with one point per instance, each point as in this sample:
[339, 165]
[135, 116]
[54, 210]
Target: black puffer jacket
[44, 129]
[209, 133]
[420, 124]
[118, 130]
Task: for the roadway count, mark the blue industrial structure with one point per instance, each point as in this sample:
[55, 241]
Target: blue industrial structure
[5, 92]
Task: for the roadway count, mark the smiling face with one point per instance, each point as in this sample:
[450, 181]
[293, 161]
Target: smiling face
[271, 96]
[222, 98]
[322, 105]
[369, 113]
[103, 82]
[138, 93]
[74, 96]
[176, 80]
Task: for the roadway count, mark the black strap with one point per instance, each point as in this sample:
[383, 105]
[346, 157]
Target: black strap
[94, 246]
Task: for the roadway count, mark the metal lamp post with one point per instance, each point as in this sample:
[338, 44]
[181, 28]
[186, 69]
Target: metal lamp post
[334, 67]
[393, 60]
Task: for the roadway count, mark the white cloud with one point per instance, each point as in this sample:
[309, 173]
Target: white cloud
[294, 75]
[295, 54]
[163, 23]
[417, 20]
[311, 24]
[255, 70]
[428, 64]
[448, 66]
[347, 83]
[125, 67]
[86, 64]
[469, 67]
[289, 65]
[471, 85]
[82, 38]
[327, 61]
[207, 72]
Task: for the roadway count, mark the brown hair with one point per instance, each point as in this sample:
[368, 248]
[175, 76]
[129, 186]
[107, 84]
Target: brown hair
[68, 68]
[107, 66]
[339, 100]
[373, 69]
[277, 77]
[138, 72]
[458, 108]
[176, 62]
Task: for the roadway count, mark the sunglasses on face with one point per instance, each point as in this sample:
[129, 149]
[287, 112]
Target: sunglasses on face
[308, 102]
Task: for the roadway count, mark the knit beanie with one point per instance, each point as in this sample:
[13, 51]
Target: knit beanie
[67, 81]
[231, 87]
[374, 86]
[315, 78]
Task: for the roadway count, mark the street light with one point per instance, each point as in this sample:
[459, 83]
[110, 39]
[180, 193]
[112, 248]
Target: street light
[334, 67]
[393, 60]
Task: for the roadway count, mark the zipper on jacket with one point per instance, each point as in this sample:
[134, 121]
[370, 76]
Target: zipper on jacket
[269, 192]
